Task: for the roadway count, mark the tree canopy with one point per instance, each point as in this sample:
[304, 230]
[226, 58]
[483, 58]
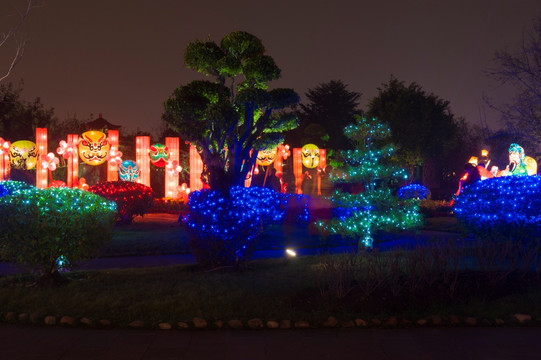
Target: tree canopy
[422, 124]
[233, 117]
[330, 108]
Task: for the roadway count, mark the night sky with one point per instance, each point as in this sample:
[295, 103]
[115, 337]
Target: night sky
[123, 58]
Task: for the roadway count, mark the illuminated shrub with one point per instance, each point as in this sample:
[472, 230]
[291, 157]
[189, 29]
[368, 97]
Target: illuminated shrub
[132, 199]
[12, 187]
[224, 230]
[52, 224]
[413, 191]
[502, 208]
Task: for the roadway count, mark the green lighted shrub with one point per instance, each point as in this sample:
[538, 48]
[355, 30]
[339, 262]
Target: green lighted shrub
[12, 186]
[132, 199]
[53, 227]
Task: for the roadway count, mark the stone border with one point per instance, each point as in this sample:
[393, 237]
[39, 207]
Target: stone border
[258, 324]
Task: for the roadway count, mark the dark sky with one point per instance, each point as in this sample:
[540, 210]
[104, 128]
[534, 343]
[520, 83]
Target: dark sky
[123, 58]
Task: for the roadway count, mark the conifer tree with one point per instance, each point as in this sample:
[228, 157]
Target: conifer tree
[377, 207]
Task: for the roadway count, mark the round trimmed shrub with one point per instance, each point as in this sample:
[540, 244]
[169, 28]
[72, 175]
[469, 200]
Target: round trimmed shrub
[12, 186]
[224, 229]
[132, 199]
[413, 191]
[51, 224]
[501, 208]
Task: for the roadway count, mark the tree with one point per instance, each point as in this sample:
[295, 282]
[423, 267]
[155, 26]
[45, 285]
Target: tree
[422, 124]
[11, 33]
[235, 116]
[377, 207]
[330, 109]
[19, 119]
[521, 70]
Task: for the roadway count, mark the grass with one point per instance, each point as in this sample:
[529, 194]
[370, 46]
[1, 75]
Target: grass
[271, 289]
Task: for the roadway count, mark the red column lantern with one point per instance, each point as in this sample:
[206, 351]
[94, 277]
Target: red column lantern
[142, 144]
[41, 171]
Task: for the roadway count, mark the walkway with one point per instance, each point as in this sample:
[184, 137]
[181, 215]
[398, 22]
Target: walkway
[59, 343]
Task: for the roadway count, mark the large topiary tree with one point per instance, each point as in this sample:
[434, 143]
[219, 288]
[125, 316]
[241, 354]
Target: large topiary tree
[377, 207]
[231, 118]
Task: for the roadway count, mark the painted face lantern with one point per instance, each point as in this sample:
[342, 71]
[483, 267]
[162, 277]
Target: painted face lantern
[159, 154]
[266, 157]
[128, 170]
[94, 147]
[310, 156]
[23, 155]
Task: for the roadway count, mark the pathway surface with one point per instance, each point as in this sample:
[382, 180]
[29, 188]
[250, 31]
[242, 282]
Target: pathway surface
[59, 343]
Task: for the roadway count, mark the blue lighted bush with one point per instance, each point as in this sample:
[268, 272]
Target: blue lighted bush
[224, 230]
[52, 224]
[413, 191]
[12, 186]
[502, 208]
[132, 199]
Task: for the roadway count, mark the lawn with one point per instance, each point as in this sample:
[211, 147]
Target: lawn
[406, 284]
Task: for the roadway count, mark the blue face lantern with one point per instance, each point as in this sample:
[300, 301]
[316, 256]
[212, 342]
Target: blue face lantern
[128, 170]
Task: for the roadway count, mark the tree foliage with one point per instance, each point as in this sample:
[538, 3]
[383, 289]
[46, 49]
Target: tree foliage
[236, 113]
[377, 207]
[422, 124]
[18, 118]
[330, 108]
[521, 70]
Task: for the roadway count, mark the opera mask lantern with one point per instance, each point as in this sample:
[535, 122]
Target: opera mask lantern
[23, 155]
[266, 157]
[310, 156]
[159, 154]
[128, 170]
[94, 147]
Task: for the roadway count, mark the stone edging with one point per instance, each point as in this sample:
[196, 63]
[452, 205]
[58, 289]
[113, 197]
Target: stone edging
[258, 324]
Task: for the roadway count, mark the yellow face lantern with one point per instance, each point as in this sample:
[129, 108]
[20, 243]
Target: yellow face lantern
[23, 155]
[310, 156]
[266, 157]
[94, 147]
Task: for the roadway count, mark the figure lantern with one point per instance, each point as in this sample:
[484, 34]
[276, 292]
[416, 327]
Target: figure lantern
[94, 147]
[128, 170]
[159, 154]
[310, 156]
[266, 157]
[23, 154]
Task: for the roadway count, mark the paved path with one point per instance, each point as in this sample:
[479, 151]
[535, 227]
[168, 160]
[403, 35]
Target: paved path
[57, 343]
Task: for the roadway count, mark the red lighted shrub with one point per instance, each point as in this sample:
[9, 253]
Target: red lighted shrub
[131, 198]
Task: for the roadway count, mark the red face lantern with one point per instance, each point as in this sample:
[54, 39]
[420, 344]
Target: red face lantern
[159, 154]
[94, 147]
[266, 157]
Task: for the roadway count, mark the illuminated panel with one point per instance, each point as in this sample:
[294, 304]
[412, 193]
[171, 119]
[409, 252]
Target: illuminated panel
[112, 167]
[41, 144]
[4, 159]
[321, 167]
[297, 169]
[73, 161]
[142, 145]
[196, 168]
[171, 181]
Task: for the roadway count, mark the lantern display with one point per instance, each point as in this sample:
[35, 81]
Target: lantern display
[23, 155]
[159, 154]
[266, 157]
[94, 147]
[128, 170]
[310, 156]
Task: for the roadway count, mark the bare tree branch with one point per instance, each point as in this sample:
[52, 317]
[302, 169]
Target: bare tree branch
[12, 32]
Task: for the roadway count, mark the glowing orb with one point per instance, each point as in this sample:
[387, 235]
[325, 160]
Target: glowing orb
[159, 154]
[128, 170]
[94, 147]
[266, 157]
[310, 156]
[23, 154]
